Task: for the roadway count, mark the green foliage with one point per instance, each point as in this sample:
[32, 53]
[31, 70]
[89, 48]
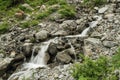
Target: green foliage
[27, 24]
[4, 27]
[94, 2]
[67, 11]
[92, 70]
[116, 59]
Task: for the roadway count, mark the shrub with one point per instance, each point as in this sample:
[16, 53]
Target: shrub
[92, 70]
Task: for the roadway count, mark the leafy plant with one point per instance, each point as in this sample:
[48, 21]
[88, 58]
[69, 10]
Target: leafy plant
[92, 70]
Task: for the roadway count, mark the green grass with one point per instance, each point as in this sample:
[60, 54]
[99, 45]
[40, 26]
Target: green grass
[116, 59]
[92, 3]
[29, 23]
[67, 11]
[4, 27]
[101, 69]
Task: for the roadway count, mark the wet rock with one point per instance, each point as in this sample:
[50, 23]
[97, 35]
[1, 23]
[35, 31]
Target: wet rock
[41, 35]
[27, 49]
[109, 44]
[52, 49]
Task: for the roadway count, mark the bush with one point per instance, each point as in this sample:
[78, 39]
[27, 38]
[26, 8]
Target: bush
[92, 70]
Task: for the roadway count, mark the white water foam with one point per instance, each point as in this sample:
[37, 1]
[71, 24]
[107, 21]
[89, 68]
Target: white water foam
[35, 62]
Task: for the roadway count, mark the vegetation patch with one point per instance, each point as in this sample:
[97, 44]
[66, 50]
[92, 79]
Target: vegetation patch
[92, 3]
[4, 27]
[67, 11]
[29, 23]
[100, 69]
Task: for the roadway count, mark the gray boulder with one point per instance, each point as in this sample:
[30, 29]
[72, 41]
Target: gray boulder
[109, 44]
[41, 35]
[27, 49]
[65, 56]
[4, 64]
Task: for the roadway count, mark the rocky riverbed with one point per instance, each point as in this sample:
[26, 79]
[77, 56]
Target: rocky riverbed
[102, 37]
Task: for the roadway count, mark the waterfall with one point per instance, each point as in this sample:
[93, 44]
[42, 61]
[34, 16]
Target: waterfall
[35, 62]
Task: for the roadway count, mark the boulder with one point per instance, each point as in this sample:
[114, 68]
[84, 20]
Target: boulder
[52, 49]
[62, 57]
[41, 35]
[4, 64]
[109, 44]
[93, 41]
[103, 9]
[60, 33]
[20, 15]
[27, 49]
[65, 56]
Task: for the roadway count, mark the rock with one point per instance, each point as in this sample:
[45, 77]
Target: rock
[12, 54]
[60, 33]
[52, 49]
[27, 6]
[109, 16]
[109, 44]
[47, 57]
[63, 57]
[69, 26]
[42, 8]
[4, 64]
[103, 9]
[96, 34]
[20, 15]
[92, 41]
[42, 35]
[27, 49]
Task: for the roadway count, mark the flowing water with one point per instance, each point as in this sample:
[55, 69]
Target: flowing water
[35, 62]
[39, 60]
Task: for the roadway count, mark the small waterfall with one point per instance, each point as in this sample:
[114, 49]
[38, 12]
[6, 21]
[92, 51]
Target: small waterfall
[35, 62]
[73, 50]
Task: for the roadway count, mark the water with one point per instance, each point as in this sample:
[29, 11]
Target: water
[35, 62]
